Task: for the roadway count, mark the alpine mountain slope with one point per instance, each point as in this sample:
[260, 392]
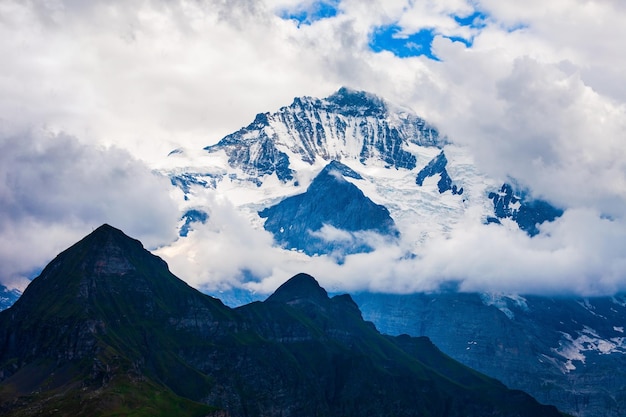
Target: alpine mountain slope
[338, 175]
[566, 351]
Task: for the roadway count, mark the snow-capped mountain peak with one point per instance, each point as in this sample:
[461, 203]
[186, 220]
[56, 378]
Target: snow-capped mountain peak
[349, 124]
[390, 155]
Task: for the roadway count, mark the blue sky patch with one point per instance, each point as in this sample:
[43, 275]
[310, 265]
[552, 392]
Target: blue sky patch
[317, 11]
[467, 43]
[515, 28]
[475, 21]
[387, 38]
[478, 20]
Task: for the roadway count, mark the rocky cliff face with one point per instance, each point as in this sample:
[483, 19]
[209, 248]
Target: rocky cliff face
[564, 351]
[107, 330]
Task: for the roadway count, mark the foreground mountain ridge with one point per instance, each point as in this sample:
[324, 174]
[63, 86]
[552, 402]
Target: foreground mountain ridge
[106, 329]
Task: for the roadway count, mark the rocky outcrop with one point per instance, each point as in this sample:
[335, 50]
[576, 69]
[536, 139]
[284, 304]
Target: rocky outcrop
[527, 213]
[437, 166]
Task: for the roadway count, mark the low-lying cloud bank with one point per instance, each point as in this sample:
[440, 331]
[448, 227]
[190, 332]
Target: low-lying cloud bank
[578, 254]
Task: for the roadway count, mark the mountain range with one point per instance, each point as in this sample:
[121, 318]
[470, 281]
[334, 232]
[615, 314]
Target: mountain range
[337, 176]
[330, 176]
[106, 329]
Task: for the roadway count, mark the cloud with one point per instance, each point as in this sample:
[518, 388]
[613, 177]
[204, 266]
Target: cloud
[537, 95]
[578, 254]
[223, 251]
[551, 132]
[147, 76]
[54, 190]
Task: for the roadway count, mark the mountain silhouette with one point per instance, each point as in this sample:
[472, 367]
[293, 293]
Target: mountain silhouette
[106, 329]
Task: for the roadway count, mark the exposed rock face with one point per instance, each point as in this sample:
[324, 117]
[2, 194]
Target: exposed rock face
[190, 217]
[348, 124]
[107, 328]
[437, 166]
[564, 351]
[330, 201]
[528, 214]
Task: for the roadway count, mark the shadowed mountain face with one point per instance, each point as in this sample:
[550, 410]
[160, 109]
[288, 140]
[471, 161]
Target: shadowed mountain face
[106, 329]
[330, 201]
[564, 351]
[103, 318]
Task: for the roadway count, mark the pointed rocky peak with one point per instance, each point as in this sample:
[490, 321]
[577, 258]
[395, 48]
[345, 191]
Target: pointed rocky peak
[335, 167]
[301, 287]
[106, 250]
[112, 244]
[438, 166]
[102, 287]
[106, 275]
[331, 180]
[110, 251]
[108, 230]
[357, 103]
[325, 217]
[107, 236]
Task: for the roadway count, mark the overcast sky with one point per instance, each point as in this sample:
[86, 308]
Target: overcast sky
[93, 95]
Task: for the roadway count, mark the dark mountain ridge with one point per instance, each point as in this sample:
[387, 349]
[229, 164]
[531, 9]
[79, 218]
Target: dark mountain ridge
[106, 329]
[94, 320]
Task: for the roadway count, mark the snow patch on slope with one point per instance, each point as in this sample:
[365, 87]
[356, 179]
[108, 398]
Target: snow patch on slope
[573, 348]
